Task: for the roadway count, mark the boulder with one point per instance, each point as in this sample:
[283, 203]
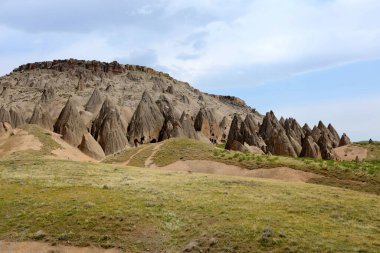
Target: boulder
[91, 147]
[147, 121]
[344, 140]
[70, 125]
[41, 118]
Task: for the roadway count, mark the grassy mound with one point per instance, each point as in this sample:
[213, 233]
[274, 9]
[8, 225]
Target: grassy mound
[143, 209]
[362, 176]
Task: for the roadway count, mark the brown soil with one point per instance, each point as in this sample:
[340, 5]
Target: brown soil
[40, 247]
[19, 140]
[211, 167]
[350, 152]
[149, 163]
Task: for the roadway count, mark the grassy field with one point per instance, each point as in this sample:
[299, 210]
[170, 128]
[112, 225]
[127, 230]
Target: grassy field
[362, 176]
[141, 210]
[373, 149]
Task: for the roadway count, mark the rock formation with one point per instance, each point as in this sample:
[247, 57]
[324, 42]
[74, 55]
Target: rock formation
[70, 125]
[147, 121]
[206, 123]
[275, 137]
[111, 137]
[41, 118]
[5, 116]
[90, 147]
[344, 140]
[310, 149]
[17, 117]
[47, 94]
[95, 101]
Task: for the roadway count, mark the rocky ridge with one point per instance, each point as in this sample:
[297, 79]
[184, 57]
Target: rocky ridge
[102, 108]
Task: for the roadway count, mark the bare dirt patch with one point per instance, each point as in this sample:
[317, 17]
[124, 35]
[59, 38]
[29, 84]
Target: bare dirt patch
[40, 247]
[211, 167]
[350, 153]
[19, 140]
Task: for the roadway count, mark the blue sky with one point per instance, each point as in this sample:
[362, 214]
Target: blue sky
[309, 59]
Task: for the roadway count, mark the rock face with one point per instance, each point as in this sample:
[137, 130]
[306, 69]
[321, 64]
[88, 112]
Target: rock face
[310, 149]
[274, 135]
[70, 125]
[206, 123]
[5, 116]
[17, 117]
[41, 118]
[90, 147]
[147, 121]
[244, 132]
[326, 146]
[47, 95]
[344, 140]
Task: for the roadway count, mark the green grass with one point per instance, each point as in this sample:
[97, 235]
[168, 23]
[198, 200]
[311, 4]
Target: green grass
[363, 176]
[140, 209]
[373, 149]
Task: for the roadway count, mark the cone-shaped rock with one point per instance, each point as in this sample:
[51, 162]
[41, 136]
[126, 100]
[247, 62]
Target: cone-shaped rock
[5, 116]
[294, 130]
[147, 121]
[326, 146]
[344, 140]
[186, 128]
[111, 136]
[306, 129]
[95, 101]
[91, 147]
[70, 125]
[310, 149]
[41, 118]
[335, 135]
[17, 117]
[234, 134]
[275, 137]
[107, 107]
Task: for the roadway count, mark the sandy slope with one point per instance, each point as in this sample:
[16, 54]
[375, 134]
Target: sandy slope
[350, 152]
[18, 140]
[212, 167]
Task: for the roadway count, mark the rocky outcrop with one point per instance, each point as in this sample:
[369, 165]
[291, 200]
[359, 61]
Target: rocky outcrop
[5, 116]
[306, 130]
[335, 134]
[147, 121]
[275, 137]
[17, 117]
[344, 140]
[41, 118]
[5, 128]
[326, 146]
[206, 123]
[186, 129]
[90, 147]
[294, 130]
[310, 149]
[95, 102]
[70, 125]
[47, 94]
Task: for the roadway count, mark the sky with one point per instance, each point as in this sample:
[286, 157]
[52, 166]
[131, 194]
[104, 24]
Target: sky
[308, 59]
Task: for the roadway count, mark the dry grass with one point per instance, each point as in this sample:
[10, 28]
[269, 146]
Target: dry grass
[143, 209]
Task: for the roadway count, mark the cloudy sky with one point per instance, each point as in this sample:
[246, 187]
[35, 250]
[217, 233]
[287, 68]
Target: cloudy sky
[308, 59]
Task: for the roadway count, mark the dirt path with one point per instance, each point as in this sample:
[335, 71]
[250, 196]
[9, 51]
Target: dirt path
[149, 163]
[133, 156]
[211, 167]
[41, 247]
